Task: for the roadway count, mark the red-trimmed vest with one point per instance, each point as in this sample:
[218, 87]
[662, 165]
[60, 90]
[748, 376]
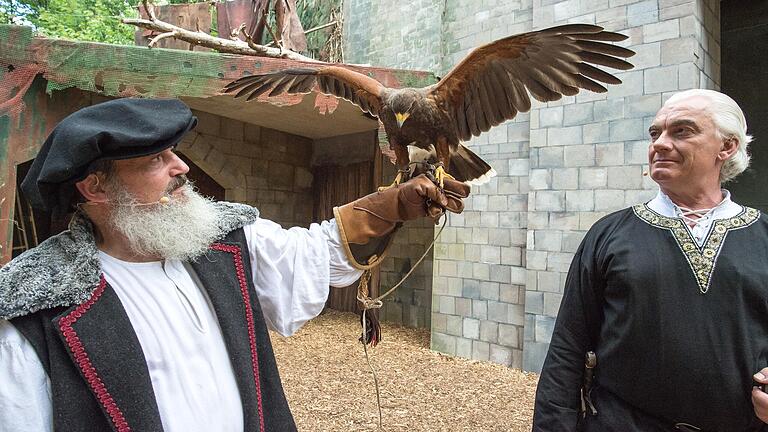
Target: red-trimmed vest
[99, 378]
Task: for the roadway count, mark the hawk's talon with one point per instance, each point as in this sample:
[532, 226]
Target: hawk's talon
[441, 175]
[397, 181]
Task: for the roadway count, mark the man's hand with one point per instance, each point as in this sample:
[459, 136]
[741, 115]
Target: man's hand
[759, 397]
[376, 215]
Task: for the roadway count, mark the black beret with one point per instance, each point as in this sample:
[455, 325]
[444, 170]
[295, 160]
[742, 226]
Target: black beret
[118, 129]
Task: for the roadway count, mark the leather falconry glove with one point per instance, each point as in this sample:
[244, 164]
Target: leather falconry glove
[376, 216]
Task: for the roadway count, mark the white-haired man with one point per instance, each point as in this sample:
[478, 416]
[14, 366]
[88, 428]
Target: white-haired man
[151, 312]
[670, 296]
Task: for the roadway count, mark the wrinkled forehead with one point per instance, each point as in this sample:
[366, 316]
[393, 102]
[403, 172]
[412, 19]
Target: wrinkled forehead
[693, 109]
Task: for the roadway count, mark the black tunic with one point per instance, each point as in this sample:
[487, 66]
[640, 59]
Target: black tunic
[679, 329]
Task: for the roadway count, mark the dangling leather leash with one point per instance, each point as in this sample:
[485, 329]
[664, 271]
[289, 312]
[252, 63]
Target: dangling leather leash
[368, 305]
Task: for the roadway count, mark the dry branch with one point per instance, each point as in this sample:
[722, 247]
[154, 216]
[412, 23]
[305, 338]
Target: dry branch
[218, 44]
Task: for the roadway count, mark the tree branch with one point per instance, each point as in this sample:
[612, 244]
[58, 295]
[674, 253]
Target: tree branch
[218, 44]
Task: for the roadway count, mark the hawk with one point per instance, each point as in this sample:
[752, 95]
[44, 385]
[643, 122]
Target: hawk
[491, 85]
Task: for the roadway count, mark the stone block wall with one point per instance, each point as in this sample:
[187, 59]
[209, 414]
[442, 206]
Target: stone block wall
[479, 281]
[263, 167]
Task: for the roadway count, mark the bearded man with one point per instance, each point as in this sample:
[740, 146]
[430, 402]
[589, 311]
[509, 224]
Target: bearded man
[151, 312]
[670, 296]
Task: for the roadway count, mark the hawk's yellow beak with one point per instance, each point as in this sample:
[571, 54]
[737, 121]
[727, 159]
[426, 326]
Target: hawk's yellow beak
[401, 118]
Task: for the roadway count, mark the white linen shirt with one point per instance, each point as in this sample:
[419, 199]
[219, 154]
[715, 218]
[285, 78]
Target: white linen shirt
[173, 319]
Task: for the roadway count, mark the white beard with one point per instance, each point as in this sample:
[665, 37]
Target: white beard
[182, 228]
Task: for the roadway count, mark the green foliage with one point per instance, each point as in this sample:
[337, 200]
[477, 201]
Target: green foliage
[90, 20]
[99, 20]
[313, 13]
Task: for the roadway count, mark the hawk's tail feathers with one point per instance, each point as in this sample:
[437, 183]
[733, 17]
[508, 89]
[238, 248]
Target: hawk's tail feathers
[469, 168]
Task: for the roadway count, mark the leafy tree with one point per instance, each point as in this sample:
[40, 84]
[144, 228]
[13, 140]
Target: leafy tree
[90, 20]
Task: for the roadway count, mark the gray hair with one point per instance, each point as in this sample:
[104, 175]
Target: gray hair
[730, 124]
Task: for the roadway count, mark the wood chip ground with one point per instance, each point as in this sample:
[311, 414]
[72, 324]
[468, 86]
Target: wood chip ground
[330, 387]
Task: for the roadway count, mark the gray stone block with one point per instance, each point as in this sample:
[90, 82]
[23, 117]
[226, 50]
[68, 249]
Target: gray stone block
[544, 327]
[508, 336]
[530, 325]
[551, 117]
[565, 178]
[646, 55]
[549, 282]
[534, 302]
[489, 291]
[609, 154]
[669, 29]
[579, 200]
[591, 178]
[596, 132]
[511, 256]
[559, 261]
[534, 355]
[447, 304]
[548, 240]
[578, 114]
[519, 167]
[480, 350]
[661, 79]
[610, 109]
[564, 136]
[626, 177]
[443, 343]
[480, 309]
[552, 303]
[509, 293]
[516, 314]
[454, 324]
[471, 328]
[629, 129]
[489, 331]
[536, 260]
[579, 155]
[550, 157]
[549, 201]
[644, 12]
[642, 105]
[497, 311]
[500, 273]
[609, 200]
[464, 307]
[564, 221]
[636, 152]
[464, 347]
[500, 355]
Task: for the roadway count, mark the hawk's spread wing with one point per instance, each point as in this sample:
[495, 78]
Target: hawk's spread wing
[355, 87]
[489, 85]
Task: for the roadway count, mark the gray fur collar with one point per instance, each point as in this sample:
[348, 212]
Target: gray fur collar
[64, 270]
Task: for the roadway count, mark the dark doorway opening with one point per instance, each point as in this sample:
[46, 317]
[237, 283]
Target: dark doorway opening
[744, 42]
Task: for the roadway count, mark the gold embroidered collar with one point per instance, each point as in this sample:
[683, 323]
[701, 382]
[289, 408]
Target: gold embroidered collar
[702, 258]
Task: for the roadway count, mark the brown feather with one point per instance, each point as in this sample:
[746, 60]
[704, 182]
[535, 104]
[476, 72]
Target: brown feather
[256, 85]
[258, 92]
[595, 73]
[604, 48]
[281, 85]
[302, 84]
[586, 83]
[242, 82]
[602, 36]
[605, 60]
[569, 29]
